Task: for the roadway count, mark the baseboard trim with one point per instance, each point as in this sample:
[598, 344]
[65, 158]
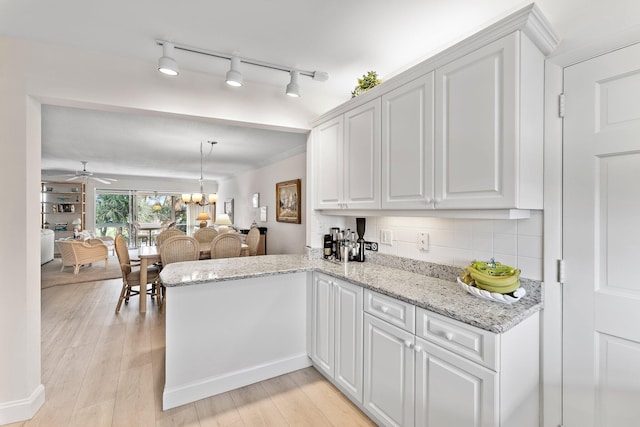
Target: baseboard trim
[190, 392]
[23, 409]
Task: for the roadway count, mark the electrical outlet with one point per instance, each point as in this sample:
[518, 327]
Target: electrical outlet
[386, 237]
[423, 241]
[371, 246]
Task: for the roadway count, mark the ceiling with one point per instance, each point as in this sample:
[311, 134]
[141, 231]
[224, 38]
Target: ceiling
[343, 38]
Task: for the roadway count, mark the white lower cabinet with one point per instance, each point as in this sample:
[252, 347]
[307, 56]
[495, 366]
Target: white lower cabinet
[388, 372]
[423, 369]
[452, 391]
[336, 332]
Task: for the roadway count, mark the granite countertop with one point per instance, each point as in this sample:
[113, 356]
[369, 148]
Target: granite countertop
[437, 295]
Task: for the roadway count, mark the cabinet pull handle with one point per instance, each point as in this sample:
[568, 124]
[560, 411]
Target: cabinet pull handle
[417, 348]
[408, 344]
[448, 336]
[429, 200]
[437, 200]
[384, 309]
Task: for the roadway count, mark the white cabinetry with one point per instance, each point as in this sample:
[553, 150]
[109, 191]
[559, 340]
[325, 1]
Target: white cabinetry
[451, 390]
[461, 132]
[425, 369]
[489, 106]
[328, 159]
[348, 159]
[407, 145]
[388, 372]
[336, 332]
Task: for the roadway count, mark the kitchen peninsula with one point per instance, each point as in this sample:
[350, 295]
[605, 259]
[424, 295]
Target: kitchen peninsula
[233, 322]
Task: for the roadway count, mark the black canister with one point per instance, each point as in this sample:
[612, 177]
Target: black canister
[328, 245]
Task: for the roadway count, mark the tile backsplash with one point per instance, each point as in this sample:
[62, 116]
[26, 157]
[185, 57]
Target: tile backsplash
[455, 242]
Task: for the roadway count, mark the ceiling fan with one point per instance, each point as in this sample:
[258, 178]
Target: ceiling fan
[86, 175]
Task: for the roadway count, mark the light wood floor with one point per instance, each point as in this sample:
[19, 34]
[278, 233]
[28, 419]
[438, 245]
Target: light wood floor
[103, 369]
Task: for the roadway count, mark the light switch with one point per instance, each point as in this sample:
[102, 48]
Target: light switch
[386, 237]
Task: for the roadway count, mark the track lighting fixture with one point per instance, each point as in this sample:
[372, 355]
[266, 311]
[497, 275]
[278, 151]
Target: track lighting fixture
[293, 88]
[234, 77]
[168, 65]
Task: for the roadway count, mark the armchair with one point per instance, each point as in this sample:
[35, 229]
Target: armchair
[75, 253]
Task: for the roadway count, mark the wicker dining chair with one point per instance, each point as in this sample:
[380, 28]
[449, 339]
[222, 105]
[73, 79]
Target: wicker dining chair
[253, 240]
[131, 276]
[178, 249]
[165, 234]
[205, 235]
[227, 245]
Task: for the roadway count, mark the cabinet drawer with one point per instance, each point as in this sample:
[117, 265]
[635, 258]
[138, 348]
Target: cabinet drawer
[396, 312]
[468, 341]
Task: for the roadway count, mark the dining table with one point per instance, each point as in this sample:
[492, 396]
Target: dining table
[149, 255]
[150, 228]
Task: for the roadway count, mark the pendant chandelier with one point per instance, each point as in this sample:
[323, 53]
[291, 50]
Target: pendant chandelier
[201, 198]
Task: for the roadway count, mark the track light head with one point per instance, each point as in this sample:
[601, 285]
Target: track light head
[293, 88]
[234, 77]
[166, 64]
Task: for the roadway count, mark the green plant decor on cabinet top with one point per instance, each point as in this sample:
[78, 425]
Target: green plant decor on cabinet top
[368, 81]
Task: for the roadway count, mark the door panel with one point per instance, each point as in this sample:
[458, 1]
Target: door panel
[601, 241]
[348, 340]
[322, 340]
[452, 391]
[389, 372]
[362, 156]
[619, 376]
[407, 145]
[476, 114]
[328, 147]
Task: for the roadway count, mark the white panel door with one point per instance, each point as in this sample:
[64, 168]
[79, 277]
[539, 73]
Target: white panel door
[322, 324]
[388, 372]
[453, 391]
[601, 241]
[362, 157]
[348, 338]
[329, 157]
[476, 134]
[407, 145]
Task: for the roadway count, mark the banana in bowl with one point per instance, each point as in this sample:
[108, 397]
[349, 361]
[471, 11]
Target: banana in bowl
[492, 276]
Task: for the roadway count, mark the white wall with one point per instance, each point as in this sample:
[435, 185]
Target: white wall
[33, 73]
[21, 392]
[282, 238]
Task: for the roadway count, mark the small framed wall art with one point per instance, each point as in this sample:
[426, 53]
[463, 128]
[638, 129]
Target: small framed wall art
[288, 201]
[255, 200]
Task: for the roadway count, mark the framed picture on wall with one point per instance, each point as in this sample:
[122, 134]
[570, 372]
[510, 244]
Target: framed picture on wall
[288, 201]
[255, 200]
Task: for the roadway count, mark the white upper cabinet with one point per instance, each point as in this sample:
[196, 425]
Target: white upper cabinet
[489, 123]
[328, 159]
[362, 157]
[407, 145]
[348, 159]
[460, 132]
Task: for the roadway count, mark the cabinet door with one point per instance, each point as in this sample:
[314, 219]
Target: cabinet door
[476, 128]
[388, 372]
[407, 145]
[453, 391]
[322, 324]
[348, 338]
[362, 157]
[328, 143]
